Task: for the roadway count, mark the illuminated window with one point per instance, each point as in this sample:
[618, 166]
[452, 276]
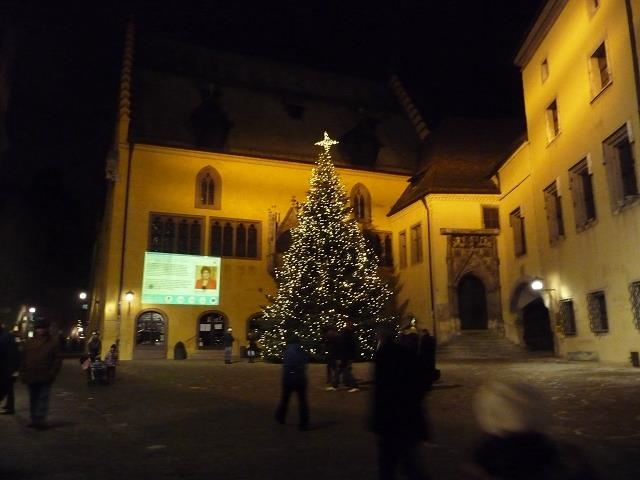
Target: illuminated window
[490, 216]
[361, 203]
[581, 185]
[416, 243]
[208, 189]
[553, 125]
[517, 226]
[553, 206]
[599, 70]
[620, 163]
[175, 234]
[403, 249]
[598, 320]
[234, 238]
[544, 70]
[567, 317]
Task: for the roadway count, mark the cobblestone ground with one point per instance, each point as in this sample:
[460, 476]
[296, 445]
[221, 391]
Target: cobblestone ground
[196, 419]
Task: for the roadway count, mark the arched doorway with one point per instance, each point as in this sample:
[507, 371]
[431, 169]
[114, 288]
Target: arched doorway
[211, 328]
[472, 303]
[151, 336]
[537, 333]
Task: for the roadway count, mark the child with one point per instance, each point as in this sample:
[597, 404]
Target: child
[111, 360]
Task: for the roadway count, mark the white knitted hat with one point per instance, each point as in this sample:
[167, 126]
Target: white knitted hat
[506, 408]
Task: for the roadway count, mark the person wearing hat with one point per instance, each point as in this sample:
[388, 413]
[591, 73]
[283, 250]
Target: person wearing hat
[227, 341]
[38, 369]
[94, 346]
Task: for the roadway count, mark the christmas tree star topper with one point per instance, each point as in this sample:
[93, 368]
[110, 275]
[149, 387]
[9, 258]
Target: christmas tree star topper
[326, 142]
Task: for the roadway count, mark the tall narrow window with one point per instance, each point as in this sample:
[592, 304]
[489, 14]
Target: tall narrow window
[581, 185]
[598, 320]
[517, 226]
[599, 70]
[544, 70]
[361, 203]
[634, 298]
[208, 188]
[553, 206]
[403, 248]
[567, 317]
[620, 164]
[553, 124]
[416, 243]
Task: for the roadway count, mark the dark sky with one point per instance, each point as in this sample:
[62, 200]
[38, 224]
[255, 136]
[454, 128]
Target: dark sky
[454, 57]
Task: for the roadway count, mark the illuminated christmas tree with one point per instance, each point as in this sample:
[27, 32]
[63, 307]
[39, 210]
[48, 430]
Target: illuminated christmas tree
[329, 275]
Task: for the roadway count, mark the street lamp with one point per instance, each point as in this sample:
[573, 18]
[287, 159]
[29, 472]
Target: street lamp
[129, 296]
[537, 284]
[82, 295]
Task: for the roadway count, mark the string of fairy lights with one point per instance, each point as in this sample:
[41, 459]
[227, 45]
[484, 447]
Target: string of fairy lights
[329, 275]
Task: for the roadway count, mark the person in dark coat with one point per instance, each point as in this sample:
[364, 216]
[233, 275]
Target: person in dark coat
[227, 342]
[39, 367]
[347, 350]
[294, 379]
[9, 362]
[427, 359]
[331, 346]
[397, 415]
[94, 346]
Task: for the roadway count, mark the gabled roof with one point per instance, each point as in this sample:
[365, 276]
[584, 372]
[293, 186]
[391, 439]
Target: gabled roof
[461, 156]
[194, 97]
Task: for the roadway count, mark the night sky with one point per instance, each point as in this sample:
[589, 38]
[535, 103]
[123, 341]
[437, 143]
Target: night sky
[454, 57]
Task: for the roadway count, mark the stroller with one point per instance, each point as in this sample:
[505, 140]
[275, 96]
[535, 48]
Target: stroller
[96, 371]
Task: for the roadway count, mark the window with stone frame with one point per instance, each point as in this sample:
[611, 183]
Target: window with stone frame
[567, 318]
[599, 72]
[175, 233]
[232, 238]
[516, 220]
[620, 164]
[361, 203]
[208, 189]
[402, 236]
[597, 306]
[552, 121]
[490, 216]
[553, 207]
[634, 298]
[416, 243]
[582, 194]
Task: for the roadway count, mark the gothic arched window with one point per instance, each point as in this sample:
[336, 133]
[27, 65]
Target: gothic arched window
[208, 189]
[361, 203]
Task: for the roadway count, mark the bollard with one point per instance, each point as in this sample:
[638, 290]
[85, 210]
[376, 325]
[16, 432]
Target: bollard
[635, 359]
[179, 351]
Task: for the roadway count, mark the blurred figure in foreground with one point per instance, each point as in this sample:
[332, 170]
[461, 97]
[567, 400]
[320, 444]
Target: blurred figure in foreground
[39, 367]
[397, 416]
[513, 417]
[9, 362]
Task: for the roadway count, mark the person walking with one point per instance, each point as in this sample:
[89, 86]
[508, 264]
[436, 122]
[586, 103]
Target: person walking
[347, 349]
[294, 379]
[227, 342]
[331, 347]
[427, 360]
[397, 416]
[9, 362]
[94, 346]
[252, 351]
[39, 367]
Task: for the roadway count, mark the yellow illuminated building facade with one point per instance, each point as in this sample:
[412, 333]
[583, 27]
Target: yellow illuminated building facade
[213, 151]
